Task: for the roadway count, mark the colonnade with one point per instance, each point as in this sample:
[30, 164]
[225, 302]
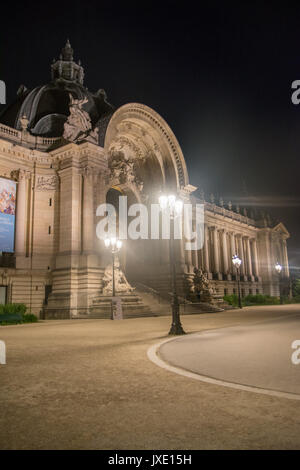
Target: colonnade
[219, 247]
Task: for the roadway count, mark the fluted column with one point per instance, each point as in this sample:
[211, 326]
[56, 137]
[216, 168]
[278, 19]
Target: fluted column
[216, 250]
[233, 250]
[225, 251]
[241, 254]
[249, 258]
[21, 212]
[206, 250]
[255, 256]
[88, 212]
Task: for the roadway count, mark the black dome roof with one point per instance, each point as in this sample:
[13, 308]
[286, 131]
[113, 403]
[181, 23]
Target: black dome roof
[47, 107]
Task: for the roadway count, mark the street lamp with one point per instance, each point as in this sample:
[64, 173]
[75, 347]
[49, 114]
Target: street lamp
[278, 268]
[114, 245]
[237, 263]
[174, 207]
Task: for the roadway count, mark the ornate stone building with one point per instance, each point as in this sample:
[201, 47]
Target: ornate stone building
[68, 150]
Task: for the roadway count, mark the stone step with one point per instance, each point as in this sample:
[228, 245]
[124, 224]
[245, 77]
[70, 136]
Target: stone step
[132, 307]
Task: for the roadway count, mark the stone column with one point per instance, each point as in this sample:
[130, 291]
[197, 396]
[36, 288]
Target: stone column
[233, 250]
[195, 258]
[225, 251]
[249, 258]
[194, 253]
[21, 212]
[200, 258]
[179, 250]
[241, 254]
[188, 253]
[88, 212]
[216, 250]
[285, 259]
[206, 250]
[255, 256]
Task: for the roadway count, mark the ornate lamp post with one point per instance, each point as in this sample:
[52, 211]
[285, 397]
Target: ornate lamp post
[174, 207]
[114, 245]
[278, 268]
[237, 263]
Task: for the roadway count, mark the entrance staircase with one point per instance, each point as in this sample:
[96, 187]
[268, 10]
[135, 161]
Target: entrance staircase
[133, 306]
[147, 302]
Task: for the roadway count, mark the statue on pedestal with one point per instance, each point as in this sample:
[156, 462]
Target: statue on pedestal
[122, 286]
[202, 288]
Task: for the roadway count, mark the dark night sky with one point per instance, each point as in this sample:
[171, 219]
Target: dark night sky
[220, 75]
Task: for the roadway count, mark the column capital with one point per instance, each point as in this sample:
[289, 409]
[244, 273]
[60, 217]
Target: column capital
[20, 174]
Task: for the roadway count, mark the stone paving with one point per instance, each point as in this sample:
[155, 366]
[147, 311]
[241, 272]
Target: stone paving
[88, 384]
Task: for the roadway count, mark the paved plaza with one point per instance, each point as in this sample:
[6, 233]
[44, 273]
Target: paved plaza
[89, 384]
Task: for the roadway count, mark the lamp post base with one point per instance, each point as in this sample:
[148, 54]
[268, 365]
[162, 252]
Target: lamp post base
[176, 329]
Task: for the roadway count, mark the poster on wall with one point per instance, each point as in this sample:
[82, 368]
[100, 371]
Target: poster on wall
[7, 215]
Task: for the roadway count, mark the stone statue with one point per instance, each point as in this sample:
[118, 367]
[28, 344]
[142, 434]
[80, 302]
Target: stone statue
[122, 286]
[202, 287]
[78, 126]
[123, 170]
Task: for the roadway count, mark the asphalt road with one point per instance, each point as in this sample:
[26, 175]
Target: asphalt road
[257, 355]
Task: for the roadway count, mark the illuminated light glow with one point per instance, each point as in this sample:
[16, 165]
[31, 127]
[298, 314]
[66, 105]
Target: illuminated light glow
[113, 244]
[172, 200]
[163, 202]
[236, 261]
[278, 267]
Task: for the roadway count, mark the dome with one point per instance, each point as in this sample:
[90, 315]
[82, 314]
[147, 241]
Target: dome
[47, 107]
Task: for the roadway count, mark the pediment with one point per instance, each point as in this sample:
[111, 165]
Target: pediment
[280, 228]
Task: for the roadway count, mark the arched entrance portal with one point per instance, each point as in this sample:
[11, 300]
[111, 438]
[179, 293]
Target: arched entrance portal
[145, 160]
[132, 253]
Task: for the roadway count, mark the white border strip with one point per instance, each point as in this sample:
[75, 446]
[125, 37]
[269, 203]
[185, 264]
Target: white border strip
[153, 355]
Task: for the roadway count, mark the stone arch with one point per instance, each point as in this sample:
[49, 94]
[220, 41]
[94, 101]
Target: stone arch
[132, 251]
[143, 135]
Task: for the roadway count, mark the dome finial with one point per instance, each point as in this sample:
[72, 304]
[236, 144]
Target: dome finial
[65, 68]
[67, 51]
